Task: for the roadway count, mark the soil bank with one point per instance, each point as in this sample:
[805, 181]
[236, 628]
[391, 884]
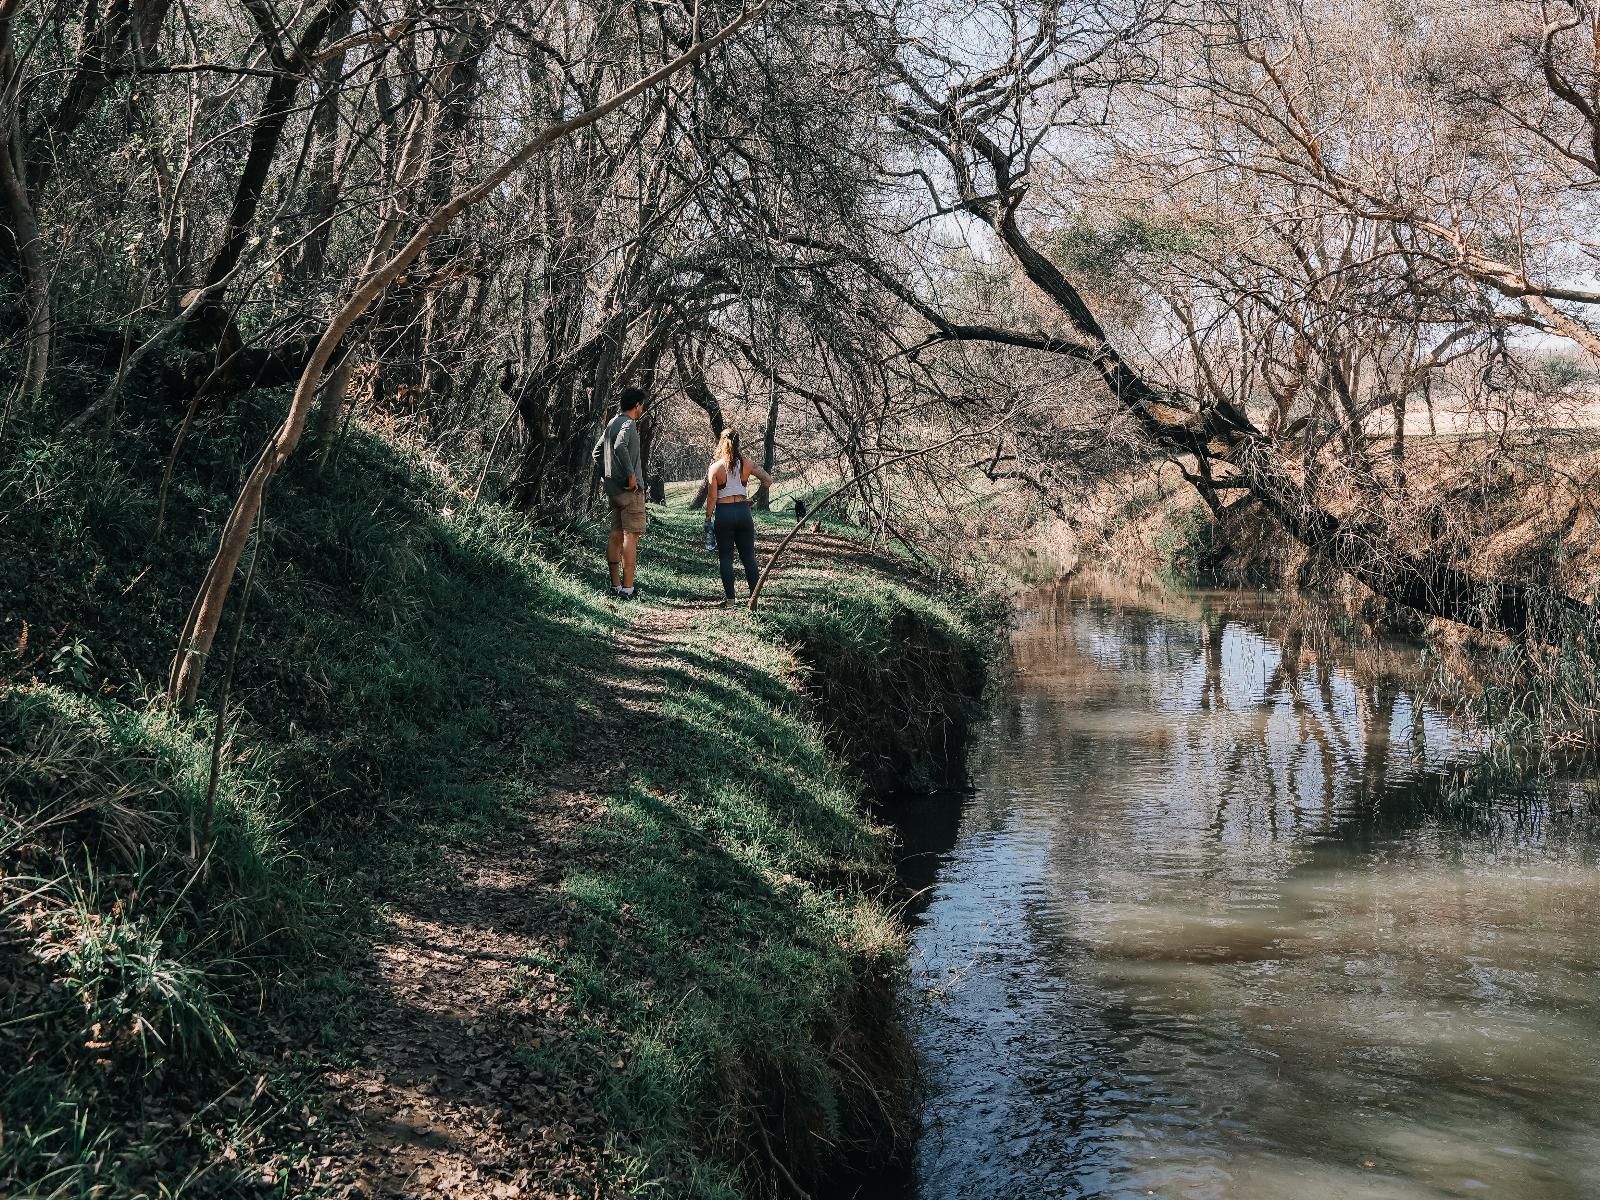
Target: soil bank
[1502, 507]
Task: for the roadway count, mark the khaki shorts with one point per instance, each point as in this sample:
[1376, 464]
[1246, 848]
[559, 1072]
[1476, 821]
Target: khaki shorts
[627, 511]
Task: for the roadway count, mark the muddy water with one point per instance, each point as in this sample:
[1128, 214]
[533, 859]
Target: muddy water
[1206, 925]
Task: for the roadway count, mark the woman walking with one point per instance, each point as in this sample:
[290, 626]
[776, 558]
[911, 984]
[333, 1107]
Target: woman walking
[728, 509]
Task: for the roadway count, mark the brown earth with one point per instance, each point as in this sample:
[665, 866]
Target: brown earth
[1504, 507]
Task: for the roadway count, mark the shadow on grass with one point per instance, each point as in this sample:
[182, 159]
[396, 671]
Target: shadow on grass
[722, 936]
[417, 675]
[408, 665]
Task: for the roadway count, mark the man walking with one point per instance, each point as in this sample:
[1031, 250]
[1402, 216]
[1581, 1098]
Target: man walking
[617, 456]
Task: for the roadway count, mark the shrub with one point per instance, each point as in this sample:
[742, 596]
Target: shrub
[1187, 547]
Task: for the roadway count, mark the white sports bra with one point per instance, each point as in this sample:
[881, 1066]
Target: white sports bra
[733, 486]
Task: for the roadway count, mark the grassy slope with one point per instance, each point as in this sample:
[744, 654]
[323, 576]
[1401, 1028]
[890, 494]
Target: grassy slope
[411, 670]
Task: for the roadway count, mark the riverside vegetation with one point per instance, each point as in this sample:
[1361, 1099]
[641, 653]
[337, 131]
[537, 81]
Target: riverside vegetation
[215, 995]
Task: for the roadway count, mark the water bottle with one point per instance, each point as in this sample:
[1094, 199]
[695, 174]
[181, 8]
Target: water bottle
[711, 536]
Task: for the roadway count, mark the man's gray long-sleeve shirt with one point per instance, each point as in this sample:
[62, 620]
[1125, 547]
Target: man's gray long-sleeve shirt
[617, 453]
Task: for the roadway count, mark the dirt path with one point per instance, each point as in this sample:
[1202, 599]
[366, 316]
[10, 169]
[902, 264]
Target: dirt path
[446, 1098]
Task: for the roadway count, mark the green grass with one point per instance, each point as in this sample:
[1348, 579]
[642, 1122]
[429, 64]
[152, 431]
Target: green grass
[734, 943]
[725, 927]
[1186, 547]
[411, 669]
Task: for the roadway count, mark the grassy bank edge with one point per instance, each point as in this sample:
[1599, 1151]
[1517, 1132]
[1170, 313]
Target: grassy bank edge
[166, 1027]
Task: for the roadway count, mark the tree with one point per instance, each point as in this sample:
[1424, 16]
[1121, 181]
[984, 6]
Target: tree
[983, 130]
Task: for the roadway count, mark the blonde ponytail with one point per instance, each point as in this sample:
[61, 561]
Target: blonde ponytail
[728, 450]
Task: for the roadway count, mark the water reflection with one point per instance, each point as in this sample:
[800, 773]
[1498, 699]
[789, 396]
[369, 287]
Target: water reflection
[1198, 931]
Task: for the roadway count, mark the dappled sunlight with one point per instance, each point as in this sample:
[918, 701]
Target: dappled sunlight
[712, 943]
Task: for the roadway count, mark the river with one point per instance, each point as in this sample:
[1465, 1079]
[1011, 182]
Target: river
[1206, 925]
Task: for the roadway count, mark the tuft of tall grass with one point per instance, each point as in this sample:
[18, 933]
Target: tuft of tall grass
[123, 956]
[1534, 716]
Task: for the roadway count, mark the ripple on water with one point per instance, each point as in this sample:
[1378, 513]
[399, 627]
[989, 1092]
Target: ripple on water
[1194, 933]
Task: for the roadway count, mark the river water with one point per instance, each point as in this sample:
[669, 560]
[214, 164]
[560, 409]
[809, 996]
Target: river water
[1205, 925]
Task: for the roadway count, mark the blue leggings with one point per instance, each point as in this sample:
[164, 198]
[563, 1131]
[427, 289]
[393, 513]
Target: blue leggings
[736, 528]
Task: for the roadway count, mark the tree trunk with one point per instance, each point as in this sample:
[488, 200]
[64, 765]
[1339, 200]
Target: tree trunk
[332, 407]
[769, 448]
[419, 325]
[647, 438]
[327, 159]
[265, 134]
[20, 213]
[533, 408]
